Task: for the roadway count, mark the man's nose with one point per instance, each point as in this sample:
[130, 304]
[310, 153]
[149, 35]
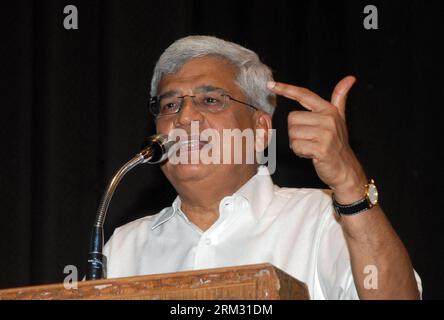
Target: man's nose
[188, 112]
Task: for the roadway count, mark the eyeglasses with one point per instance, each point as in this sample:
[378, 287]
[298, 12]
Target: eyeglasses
[207, 102]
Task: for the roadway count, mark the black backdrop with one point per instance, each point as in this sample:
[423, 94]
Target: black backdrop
[73, 109]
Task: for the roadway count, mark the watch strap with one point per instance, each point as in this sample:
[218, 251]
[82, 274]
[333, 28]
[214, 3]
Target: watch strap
[353, 208]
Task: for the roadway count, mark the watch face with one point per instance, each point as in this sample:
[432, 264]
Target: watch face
[372, 194]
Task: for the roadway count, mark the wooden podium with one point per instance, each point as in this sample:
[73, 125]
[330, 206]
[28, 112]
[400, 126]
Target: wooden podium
[251, 282]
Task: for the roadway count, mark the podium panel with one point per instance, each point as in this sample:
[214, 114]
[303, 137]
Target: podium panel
[252, 282]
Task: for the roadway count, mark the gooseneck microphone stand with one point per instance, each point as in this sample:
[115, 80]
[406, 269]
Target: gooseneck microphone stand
[155, 151]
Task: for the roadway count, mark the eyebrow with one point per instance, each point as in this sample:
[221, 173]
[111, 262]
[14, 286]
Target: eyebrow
[169, 94]
[204, 88]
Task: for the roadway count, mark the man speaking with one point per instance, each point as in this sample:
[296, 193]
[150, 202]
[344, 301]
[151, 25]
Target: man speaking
[230, 213]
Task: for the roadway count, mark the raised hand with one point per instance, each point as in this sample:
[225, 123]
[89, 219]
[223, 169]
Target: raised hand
[322, 136]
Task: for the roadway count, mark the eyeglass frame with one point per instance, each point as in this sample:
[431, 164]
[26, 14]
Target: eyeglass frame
[156, 99]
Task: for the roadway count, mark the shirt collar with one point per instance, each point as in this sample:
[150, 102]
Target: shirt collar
[163, 217]
[167, 213]
[258, 193]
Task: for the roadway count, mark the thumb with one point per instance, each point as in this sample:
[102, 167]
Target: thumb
[339, 95]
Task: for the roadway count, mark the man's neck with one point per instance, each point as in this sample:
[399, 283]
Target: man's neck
[200, 201]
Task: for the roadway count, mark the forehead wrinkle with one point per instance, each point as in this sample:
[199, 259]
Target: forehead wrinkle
[209, 88]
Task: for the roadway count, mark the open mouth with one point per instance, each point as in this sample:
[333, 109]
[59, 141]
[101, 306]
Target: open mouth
[190, 144]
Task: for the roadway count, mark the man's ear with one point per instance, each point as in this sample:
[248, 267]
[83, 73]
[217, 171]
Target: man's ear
[263, 126]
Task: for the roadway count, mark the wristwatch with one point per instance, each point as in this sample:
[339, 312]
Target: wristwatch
[369, 201]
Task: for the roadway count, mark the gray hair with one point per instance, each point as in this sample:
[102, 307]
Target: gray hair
[252, 74]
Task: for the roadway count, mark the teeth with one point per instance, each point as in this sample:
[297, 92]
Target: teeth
[193, 143]
[190, 144]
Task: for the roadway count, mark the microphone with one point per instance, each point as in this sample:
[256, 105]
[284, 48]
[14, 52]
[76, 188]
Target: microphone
[154, 150]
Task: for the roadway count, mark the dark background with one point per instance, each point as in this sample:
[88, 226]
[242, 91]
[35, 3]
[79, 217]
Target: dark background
[73, 109]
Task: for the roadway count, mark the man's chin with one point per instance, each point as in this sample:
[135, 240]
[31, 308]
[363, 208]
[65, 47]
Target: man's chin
[188, 171]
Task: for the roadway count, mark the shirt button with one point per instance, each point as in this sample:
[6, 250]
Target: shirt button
[208, 241]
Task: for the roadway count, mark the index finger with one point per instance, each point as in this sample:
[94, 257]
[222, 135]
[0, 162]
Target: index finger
[305, 97]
